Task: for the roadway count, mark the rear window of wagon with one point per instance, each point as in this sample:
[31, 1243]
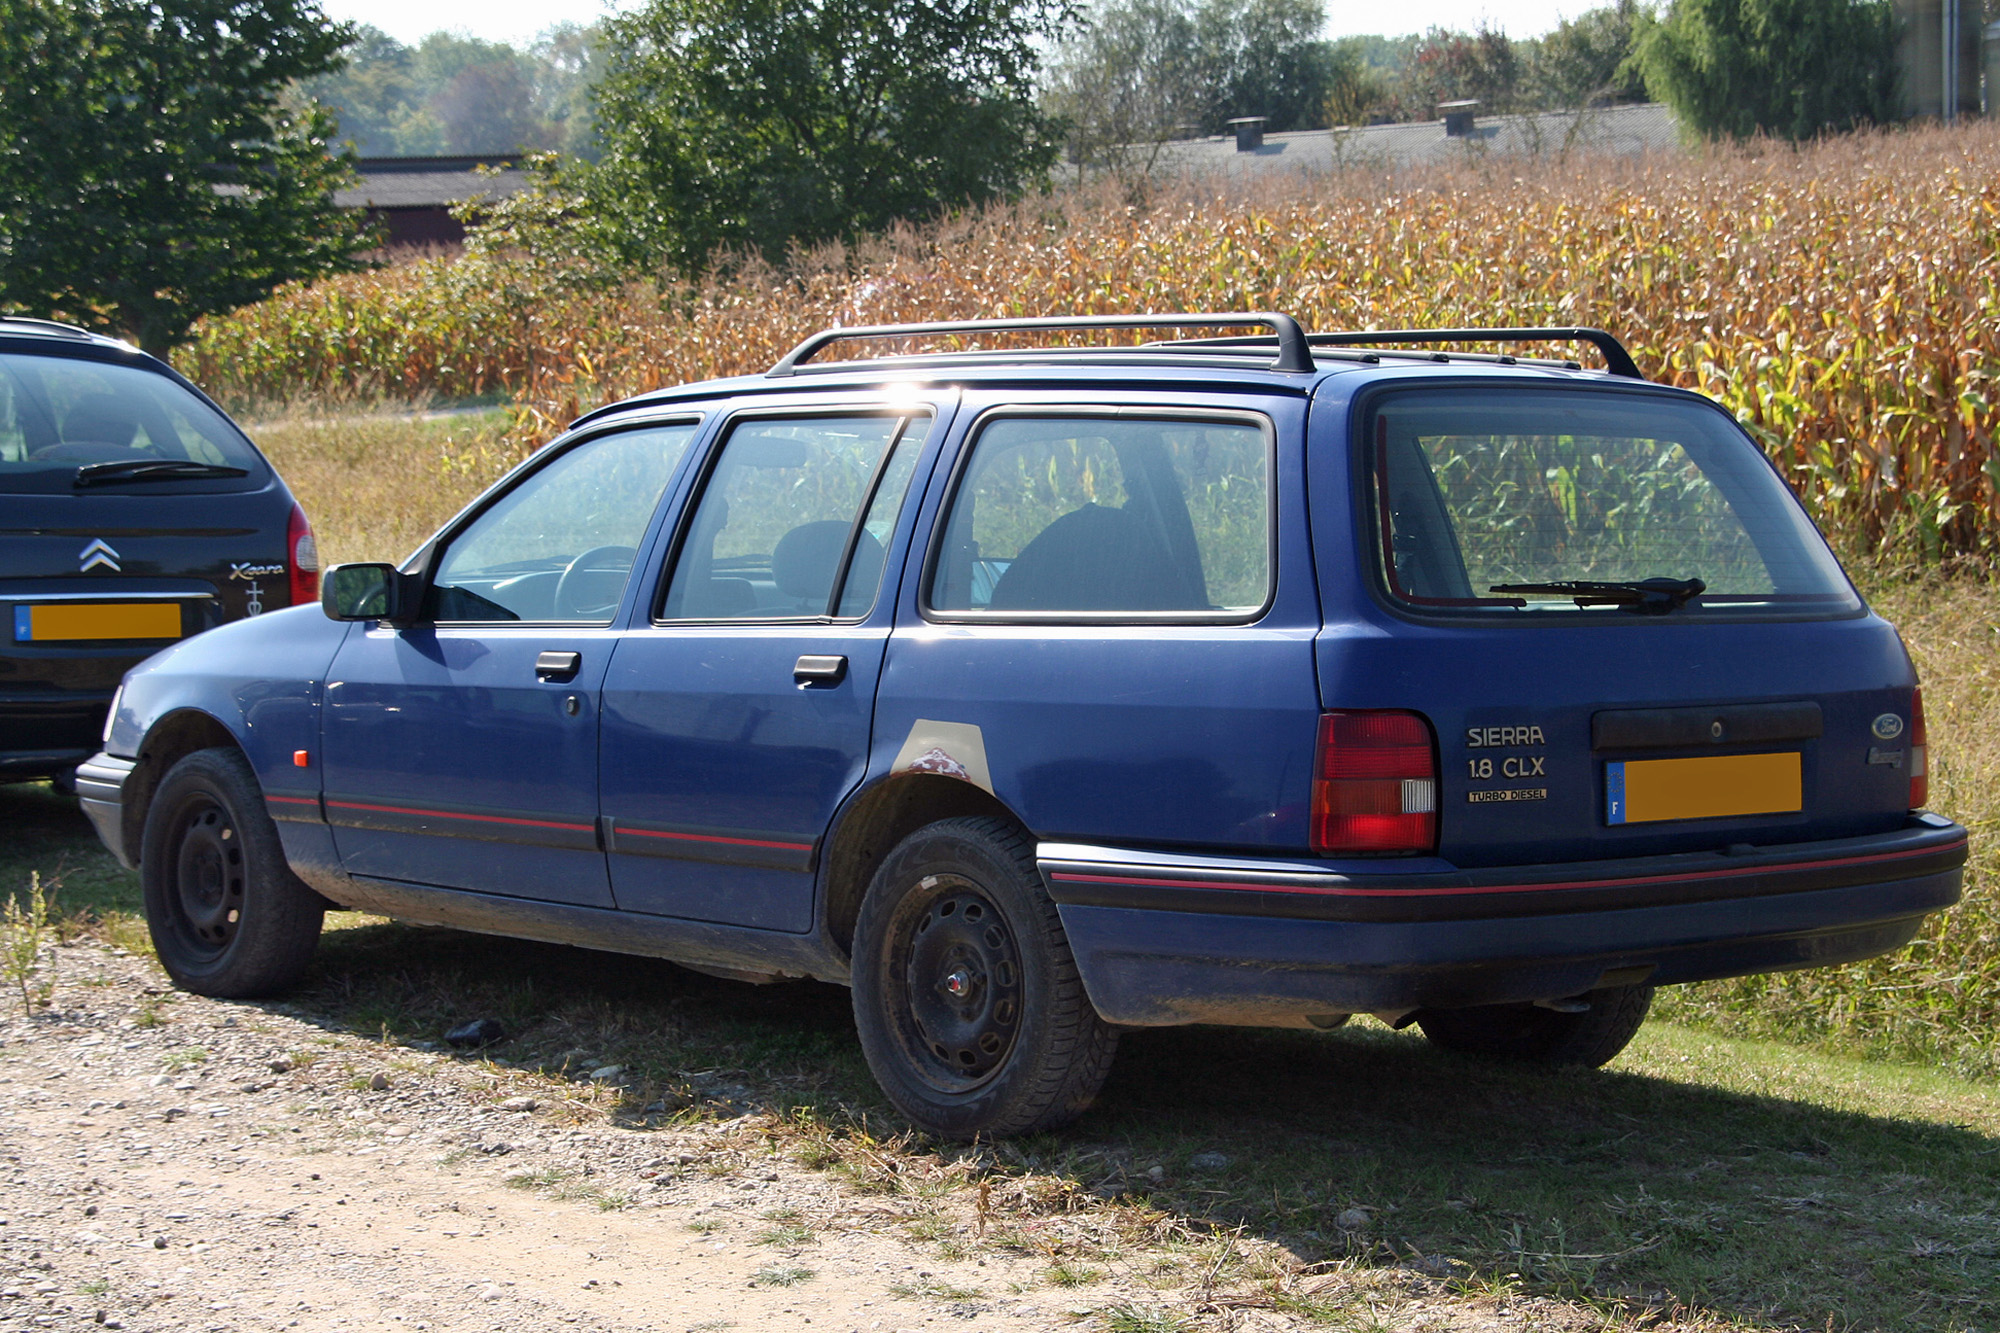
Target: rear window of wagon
[1475, 490]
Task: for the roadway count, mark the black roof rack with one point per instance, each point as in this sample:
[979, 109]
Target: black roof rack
[1616, 359]
[48, 325]
[1294, 354]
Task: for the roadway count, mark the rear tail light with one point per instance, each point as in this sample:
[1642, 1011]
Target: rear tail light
[1920, 754]
[303, 558]
[1374, 784]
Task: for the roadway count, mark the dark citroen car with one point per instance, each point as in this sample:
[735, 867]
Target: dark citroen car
[133, 513]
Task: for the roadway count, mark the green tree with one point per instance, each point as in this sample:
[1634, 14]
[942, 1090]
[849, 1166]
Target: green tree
[1587, 60]
[1792, 68]
[1265, 58]
[1129, 80]
[149, 173]
[769, 123]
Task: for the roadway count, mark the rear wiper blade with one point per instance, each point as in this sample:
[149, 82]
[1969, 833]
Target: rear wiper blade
[152, 469]
[1654, 597]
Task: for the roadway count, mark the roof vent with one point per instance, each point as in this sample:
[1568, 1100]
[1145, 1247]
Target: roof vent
[1249, 131]
[1457, 117]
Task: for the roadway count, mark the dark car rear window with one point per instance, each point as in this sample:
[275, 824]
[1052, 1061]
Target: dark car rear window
[1475, 490]
[58, 414]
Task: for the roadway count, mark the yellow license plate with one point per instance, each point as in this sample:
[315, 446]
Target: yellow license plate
[1644, 791]
[97, 620]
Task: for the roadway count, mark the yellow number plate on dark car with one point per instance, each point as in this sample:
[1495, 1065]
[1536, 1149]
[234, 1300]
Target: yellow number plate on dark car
[1645, 791]
[97, 620]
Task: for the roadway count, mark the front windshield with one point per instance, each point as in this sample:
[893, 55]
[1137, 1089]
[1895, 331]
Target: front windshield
[59, 415]
[1504, 501]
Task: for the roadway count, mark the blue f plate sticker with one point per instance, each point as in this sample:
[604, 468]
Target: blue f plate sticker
[1614, 793]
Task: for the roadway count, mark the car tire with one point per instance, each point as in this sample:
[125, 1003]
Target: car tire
[228, 917]
[971, 1013]
[1529, 1034]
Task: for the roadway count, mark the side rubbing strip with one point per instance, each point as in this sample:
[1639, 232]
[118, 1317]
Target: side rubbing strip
[750, 847]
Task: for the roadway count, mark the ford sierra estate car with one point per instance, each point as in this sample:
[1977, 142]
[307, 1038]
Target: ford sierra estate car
[133, 514]
[1037, 682]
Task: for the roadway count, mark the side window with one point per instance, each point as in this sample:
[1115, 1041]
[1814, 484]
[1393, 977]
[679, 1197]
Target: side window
[560, 545]
[1105, 515]
[794, 508]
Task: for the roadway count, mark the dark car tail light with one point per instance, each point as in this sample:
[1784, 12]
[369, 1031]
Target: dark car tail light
[302, 553]
[1374, 784]
[1920, 753]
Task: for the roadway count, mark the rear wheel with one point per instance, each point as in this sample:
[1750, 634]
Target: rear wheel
[1531, 1034]
[227, 915]
[967, 999]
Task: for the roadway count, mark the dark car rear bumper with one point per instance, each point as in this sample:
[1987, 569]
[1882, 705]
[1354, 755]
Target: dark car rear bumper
[1164, 940]
[100, 790]
[47, 731]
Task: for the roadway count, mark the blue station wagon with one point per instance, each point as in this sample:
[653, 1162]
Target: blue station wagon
[1037, 684]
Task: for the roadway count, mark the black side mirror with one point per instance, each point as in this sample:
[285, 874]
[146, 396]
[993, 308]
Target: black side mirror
[369, 592]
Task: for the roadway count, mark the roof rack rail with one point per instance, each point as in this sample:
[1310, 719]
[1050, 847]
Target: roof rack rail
[1616, 359]
[69, 330]
[1294, 354]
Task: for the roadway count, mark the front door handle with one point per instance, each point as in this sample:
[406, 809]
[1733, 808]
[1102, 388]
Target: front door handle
[558, 668]
[817, 670]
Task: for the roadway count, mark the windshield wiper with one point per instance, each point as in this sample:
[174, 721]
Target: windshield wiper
[1652, 597]
[152, 469]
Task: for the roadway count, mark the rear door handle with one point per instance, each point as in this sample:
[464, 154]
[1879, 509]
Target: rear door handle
[558, 667]
[817, 670]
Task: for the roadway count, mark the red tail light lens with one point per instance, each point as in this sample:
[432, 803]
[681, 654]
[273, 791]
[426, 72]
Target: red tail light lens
[1374, 784]
[1920, 754]
[304, 558]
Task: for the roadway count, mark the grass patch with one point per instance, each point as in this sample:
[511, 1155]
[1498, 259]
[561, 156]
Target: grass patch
[930, 1289]
[781, 1275]
[378, 479]
[1071, 1275]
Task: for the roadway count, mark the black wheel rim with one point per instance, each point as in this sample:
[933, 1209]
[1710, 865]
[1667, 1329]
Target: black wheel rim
[206, 896]
[958, 1004]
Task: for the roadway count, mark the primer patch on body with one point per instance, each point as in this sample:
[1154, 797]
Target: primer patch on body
[955, 749]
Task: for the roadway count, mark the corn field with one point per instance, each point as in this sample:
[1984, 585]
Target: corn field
[1843, 300]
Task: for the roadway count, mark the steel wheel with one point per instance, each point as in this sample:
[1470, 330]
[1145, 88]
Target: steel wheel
[227, 914]
[960, 1009]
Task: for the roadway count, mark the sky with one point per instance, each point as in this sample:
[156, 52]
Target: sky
[517, 21]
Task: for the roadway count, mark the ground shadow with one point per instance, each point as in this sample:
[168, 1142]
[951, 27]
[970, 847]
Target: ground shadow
[1599, 1184]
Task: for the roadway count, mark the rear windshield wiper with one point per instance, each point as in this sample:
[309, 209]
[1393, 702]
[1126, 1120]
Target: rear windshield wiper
[152, 469]
[1653, 597]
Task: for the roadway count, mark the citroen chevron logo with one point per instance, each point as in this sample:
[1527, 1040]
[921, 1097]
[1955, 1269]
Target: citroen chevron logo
[98, 553]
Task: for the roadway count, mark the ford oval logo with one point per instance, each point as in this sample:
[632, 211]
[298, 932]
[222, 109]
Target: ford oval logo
[1887, 727]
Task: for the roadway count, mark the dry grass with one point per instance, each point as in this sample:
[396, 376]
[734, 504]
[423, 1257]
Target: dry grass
[376, 481]
[1843, 299]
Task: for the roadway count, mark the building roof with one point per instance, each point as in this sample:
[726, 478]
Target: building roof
[432, 182]
[1624, 131]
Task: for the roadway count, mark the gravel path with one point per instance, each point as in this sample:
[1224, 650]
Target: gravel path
[176, 1163]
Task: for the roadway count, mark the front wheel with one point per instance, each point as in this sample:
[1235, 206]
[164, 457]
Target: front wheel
[227, 915]
[1530, 1034]
[967, 999]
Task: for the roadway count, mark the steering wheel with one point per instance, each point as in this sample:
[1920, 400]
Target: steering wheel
[575, 583]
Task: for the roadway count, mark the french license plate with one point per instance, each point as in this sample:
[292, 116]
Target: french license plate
[73, 621]
[1645, 791]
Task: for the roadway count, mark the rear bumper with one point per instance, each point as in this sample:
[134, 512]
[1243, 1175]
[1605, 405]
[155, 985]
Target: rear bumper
[47, 731]
[1174, 939]
[100, 790]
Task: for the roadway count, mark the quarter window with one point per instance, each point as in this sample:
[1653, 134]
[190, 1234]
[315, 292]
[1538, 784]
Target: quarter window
[795, 520]
[559, 546]
[1110, 516]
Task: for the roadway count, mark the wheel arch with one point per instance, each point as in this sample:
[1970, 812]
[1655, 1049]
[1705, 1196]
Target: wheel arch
[170, 739]
[874, 820]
